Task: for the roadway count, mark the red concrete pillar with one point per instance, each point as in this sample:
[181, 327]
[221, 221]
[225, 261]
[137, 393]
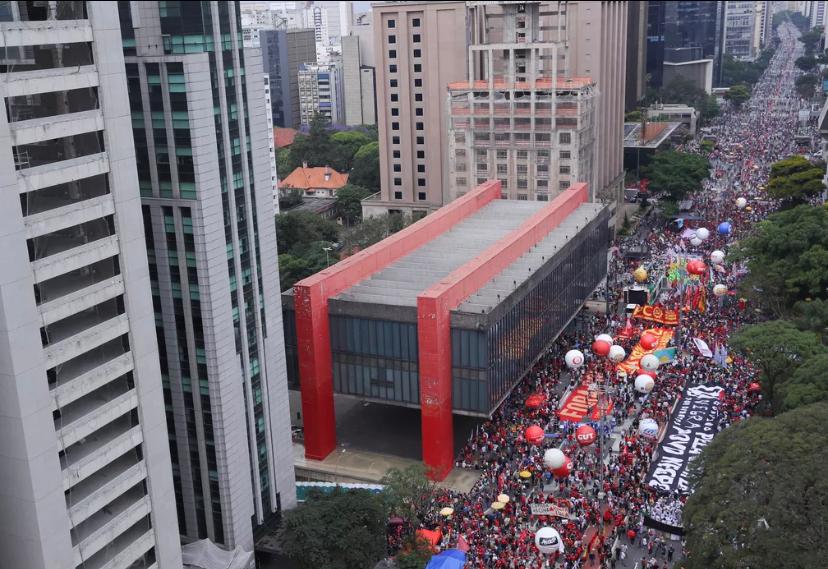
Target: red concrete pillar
[315, 374]
[434, 345]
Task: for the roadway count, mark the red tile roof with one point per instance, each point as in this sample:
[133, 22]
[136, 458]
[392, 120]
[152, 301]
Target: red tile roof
[283, 136]
[319, 178]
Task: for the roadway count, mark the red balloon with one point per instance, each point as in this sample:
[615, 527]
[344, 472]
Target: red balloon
[696, 268]
[648, 341]
[534, 434]
[754, 387]
[585, 435]
[600, 347]
[652, 374]
[564, 470]
[631, 534]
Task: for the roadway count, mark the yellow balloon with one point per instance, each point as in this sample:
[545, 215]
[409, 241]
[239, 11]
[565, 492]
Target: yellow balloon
[640, 275]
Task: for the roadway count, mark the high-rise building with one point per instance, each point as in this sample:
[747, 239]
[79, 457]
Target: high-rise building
[358, 82]
[636, 80]
[655, 43]
[423, 47]
[86, 478]
[818, 12]
[320, 92]
[201, 138]
[698, 27]
[739, 30]
[283, 51]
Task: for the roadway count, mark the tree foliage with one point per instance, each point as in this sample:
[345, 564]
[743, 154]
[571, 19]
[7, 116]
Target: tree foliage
[349, 203]
[787, 256]
[763, 471]
[777, 348]
[301, 236]
[811, 39]
[366, 172]
[415, 554]
[343, 530]
[808, 384]
[684, 91]
[372, 230]
[812, 315]
[677, 173]
[735, 72]
[795, 180]
[806, 84]
[408, 493]
[806, 62]
[738, 95]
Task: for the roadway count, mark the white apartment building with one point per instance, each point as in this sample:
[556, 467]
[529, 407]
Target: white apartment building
[86, 480]
[320, 91]
[740, 30]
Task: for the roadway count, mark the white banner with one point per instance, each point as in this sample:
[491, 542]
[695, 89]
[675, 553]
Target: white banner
[703, 348]
[548, 510]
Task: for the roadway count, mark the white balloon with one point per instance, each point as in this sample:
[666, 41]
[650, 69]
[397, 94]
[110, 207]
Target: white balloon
[644, 383]
[702, 233]
[648, 428]
[720, 290]
[548, 540]
[605, 338]
[695, 241]
[574, 359]
[741, 203]
[649, 362]
[617, 354]
[554, 458]
[717, 257]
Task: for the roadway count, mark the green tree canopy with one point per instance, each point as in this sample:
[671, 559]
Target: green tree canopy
[795, 180]
[677, 173]
[808, 384]
[735, 71]
[813, 315]
[761, 495]
[343, 530]
[372, 230]
[347, 143]
[788, 258]
[684, 91]
[366, 171]
[349, 203]
[811, 39]
[806, 62]
[738, 95]
[302, 227]
[408, 493]
[777, 348]
[325, 147]
[806, 84]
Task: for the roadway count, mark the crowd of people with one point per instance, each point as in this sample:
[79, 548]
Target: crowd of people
[603, 502]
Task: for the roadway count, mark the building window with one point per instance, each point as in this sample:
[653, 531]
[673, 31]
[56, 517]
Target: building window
[395, 112]
[415, 38]
[421, 182]
[398, 181]
[418, 97]
[394, 97]
[395, 126]
[522, 154]
[420, 140]
[421, 196]
[542, 198]
[522, 197]
[504, 184]
[482, 167]
[418, 53]
[421, 154]
[421, 167]
[419, 126]
[397, 195]
[392, 39]
[564, 137]
[396, 154]
[415, 23]
[392, 23]
[565, 155]
[502, 155]
[392, 68]
[461, 181]
[395, 140]
[393, 82]
[418, 111]
[397, 167]
[501, 169]
[522, 169]
[392, 53]
[417, 68]
[418, 82]
[564, 169]
[563, 184]
[523, 184]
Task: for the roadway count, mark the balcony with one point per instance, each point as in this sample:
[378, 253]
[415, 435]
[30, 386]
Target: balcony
[90, 338]
[80, 300]
[85, 416]
[42, 129]
[127, 549]
[102, 528]
[93, 378]
[63, 172]
[75, 213]
[99, 450]
[16, 34]
[73, 259]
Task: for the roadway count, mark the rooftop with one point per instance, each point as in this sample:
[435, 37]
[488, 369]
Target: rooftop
[320, 177]
[656, 134]
[284, 136]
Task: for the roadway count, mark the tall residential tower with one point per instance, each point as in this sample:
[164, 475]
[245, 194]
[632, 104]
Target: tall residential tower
[85, 478]
[201, 139]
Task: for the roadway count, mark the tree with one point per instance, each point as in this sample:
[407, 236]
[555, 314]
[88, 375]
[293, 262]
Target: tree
[808, 384]
[812, 315]
[372, 230]
[806, 62]
[777, 348]
[633, 116]
[684, 91]
[349, 203]
[283, 162]
[760, 495]
[366, 172]
[290, 199]
[795, 180]
[315, 148]
[811, 39]
[408, 494]
[346, 144]
[342, 530]
[737, 95]
[415, 554]
[786, 256]
[676, 173]
[805, 85]
[302, 227]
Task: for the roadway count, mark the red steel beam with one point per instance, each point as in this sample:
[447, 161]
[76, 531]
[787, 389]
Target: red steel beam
[434, 322]
[311, 300]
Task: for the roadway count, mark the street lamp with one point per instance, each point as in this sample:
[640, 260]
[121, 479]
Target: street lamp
[327, 255]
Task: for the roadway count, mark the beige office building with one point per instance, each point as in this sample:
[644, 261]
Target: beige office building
[421, 48]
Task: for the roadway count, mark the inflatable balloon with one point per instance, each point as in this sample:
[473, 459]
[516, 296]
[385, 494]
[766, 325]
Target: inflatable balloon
[648, 428]
[724, 228]
[605, 338]
[631, 534]
[534, 434]
[585, 435]
[648, 341]
[741, 203]
[702, 233]
[564, 470]
[720, 290]
[644, 383]
[717, 257]
[548, 540]
[651, 373]
[640, 275]
[649, 362]
[574, 359]
[696, 268]
[617, 354]
[695, 242]
[600, 348]
[554, 458]
[754, 387]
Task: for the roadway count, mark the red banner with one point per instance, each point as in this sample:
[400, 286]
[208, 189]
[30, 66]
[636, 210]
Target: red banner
[579, 402]
[630, 365]
[666, 316]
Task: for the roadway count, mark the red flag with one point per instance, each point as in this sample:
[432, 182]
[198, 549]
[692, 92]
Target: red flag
[462, 544]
